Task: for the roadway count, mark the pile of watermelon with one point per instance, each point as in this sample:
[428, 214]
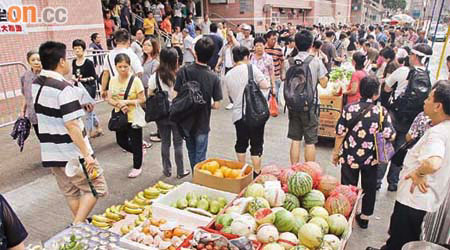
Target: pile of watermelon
[292, 209]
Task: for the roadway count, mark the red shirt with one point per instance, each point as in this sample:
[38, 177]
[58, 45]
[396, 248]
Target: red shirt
[109, 27]
[356, 78]
[166, 25]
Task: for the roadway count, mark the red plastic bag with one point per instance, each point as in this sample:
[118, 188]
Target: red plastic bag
[273, 105]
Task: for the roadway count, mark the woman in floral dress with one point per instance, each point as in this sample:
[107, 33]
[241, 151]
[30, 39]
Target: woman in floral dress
[355, 145]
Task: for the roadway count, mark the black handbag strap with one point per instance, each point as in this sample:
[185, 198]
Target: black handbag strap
[127, 91]
[158, 84]
[250, 72]
[357, 119]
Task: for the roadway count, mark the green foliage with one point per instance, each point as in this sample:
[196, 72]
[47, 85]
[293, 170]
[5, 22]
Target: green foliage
[394, 4]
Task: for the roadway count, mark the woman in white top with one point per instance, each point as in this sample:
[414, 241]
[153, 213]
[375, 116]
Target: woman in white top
[165, 76]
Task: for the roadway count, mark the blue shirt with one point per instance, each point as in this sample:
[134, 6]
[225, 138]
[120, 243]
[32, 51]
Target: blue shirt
[191, 29]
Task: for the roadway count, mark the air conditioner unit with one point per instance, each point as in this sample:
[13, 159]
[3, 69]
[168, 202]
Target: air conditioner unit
[282, 11]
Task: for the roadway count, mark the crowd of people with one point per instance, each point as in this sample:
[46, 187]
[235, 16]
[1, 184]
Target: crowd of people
[389, 92]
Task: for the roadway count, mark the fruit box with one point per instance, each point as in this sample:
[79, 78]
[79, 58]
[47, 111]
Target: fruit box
[224, 184]
[159, 211]
[181, 191]
[346, 236]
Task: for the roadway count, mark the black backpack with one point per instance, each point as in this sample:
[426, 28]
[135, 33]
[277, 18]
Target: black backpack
[255, 110]
[157, 105]
[188, 101]
[300, 93]
[410, 103]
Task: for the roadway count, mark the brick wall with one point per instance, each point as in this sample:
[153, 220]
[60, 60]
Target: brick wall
[84, 18]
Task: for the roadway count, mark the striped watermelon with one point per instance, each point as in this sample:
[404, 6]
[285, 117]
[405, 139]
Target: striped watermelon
[311, 168]
[315, 198]
[290, 202]
[338, 204]
[300, 184]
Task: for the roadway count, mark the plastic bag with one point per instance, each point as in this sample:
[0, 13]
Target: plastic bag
[139, 117]
[273, 106]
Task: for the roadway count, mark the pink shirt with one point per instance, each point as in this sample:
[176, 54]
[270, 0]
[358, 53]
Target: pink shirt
[356, 78]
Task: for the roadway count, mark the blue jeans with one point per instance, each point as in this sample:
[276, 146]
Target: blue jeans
[197, 146]
[91, 121]
[277, 88]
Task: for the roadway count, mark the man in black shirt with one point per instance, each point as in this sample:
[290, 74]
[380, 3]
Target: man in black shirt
[218, 44]
[197, 141]
[12, 232]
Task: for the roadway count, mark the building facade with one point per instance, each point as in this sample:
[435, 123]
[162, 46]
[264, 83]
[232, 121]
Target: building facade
[261, 13]
[367, 11]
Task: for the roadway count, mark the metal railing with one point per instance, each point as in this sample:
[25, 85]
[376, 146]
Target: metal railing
[11, 98]
[10, 95]
[160, 34]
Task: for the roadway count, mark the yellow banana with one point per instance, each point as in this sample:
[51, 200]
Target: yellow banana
[124, 229]
[131, 205]
[142, 217]
[129, 210]
[100, 224]
[101, 218]
[105, 228]
[141, 202]
[164, 191]
[113, 216]
[164, 185]
[138, 222]
[140, 195]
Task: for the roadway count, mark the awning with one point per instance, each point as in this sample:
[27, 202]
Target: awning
[303, 6]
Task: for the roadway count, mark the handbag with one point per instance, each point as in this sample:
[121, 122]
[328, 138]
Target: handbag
[157, 105]
[139, 117]
[119, 120]
[383, 148]
[273, 105]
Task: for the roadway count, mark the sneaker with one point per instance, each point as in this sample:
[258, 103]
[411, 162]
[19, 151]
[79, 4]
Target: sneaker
[155, 138]
[135, 173]
[181, 176]
[229, 106]
[392, 188]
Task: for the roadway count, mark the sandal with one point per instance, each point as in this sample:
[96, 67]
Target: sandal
[135, 173]
[146, 144]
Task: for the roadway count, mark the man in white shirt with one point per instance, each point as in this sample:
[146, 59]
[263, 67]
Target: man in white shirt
[205, 25]
[188, 47]
[425, 178]
[247, 39]
[418, 59]
[136, 45]
[122, 39]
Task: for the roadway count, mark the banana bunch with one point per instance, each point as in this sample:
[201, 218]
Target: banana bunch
[163, 187]
[130, 207]
[102, 222]
[140, 219]
[126, 229]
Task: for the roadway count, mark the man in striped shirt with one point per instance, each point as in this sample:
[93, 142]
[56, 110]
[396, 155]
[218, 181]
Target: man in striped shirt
[273, 49]
[61, 132]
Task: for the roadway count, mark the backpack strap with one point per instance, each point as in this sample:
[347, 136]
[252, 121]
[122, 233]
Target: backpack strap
[127, 91]
[250, 72]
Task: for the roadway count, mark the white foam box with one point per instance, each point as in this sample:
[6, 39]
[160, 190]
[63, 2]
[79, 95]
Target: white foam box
[181, 191]
[187, 221]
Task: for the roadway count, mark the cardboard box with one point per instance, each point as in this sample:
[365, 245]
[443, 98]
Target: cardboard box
[224, 184]
[327, 127]
[330, 106]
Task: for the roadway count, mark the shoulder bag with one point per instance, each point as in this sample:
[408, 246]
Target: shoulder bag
[157, 105]
[119, 120]
[384, 148]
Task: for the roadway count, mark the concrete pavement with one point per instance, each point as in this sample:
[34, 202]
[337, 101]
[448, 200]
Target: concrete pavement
[33, 193]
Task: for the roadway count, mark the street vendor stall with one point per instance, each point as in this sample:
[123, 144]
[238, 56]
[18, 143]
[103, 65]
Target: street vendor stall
[291, 208]
[332, 100]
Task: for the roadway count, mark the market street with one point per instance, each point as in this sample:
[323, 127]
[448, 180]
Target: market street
[34, 195]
